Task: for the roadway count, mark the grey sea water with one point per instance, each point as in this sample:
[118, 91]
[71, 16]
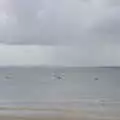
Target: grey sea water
[92, 89]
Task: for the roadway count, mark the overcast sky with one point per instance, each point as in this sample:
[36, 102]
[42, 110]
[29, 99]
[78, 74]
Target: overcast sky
[12, 55]
[63, 22]
[17, 55]
[92, 25]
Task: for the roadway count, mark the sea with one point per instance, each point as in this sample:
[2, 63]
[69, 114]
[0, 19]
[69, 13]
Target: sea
[60, 90]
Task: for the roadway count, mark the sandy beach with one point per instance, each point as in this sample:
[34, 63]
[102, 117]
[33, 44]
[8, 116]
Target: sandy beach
[55, 118]
[58, 114]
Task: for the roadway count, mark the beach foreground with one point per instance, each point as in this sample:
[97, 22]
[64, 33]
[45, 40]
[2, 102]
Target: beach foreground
[57, 115]
[55, 118]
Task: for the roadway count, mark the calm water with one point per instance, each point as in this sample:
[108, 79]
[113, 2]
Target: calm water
[38, 84]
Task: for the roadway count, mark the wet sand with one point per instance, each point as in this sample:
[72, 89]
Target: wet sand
[59, 115]
[55, 118]
[34, 118]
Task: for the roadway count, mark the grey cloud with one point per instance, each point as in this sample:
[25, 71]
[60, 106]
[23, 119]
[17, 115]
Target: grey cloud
[61, 22]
